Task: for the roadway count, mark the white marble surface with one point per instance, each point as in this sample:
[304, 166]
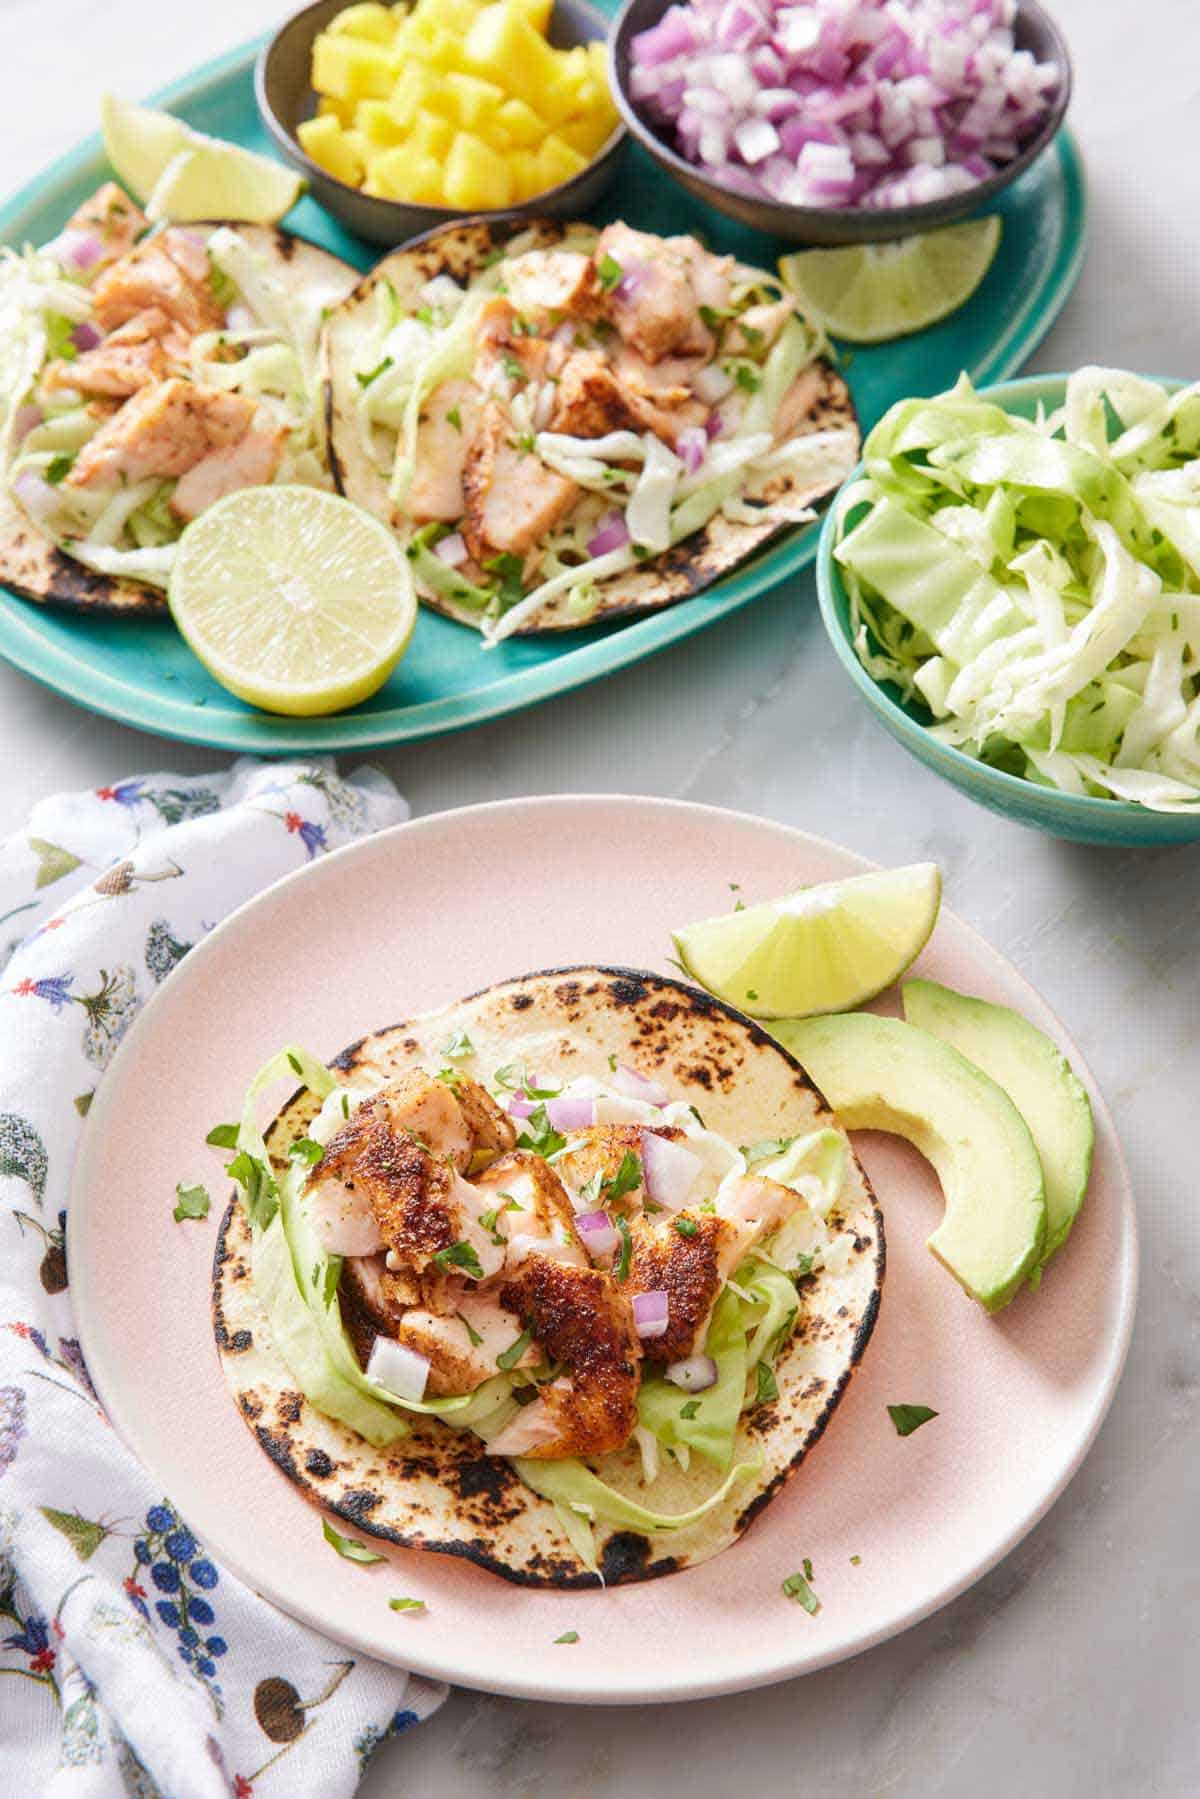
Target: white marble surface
[1072, 1669]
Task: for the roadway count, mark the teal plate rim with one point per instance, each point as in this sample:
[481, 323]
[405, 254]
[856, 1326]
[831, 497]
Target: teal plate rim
[27, 645]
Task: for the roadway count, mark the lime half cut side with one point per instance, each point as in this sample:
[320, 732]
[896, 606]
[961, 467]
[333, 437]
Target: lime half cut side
[821, 949]
[293, 599]
[870, 293]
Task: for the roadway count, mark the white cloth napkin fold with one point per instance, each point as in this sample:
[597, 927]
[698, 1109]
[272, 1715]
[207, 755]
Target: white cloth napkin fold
[131, 1663]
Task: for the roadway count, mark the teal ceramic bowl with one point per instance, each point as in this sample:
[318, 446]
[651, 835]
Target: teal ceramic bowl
[1079, 818]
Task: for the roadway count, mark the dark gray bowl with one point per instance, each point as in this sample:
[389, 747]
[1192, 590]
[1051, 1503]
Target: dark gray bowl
[285, 98]
[1033, 29]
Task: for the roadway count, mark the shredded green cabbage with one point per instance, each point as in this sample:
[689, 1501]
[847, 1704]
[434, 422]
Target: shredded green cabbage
[1034, 583]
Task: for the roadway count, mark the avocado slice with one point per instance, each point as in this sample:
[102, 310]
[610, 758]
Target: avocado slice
[1037, 1078]
[884, 1075]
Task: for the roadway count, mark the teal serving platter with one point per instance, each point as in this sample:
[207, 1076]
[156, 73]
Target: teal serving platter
[142, 673]
[1081, 818]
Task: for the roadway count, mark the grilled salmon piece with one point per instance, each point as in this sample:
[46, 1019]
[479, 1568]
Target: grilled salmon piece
[250, 462]
[447, 1339]
[600, 1149]
[443, 433]
[163, 430]
[545, 284]
[169, 271]
[132, 356]
[691, 1270]
[593, 399]
[531, 1208]
[112, 218]
[798, 402]
[581, 1318]
[512, 500]
[655, 302]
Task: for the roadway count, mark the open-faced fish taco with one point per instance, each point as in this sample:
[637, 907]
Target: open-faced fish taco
[145, 373]
[564, 424]
[565, 1278]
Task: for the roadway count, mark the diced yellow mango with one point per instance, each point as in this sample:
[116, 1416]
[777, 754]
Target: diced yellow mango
[522, 124]
[557, 161]
[537, 12]
[476, 179]
[431, 134]
[575, 62]
[448, 15]
[410, 93]
[369, 20]
[526, 181]
[378, 123]
[404, 173]
[351, 68]
[598, 57]
[587, 134]
[477, 100]
[445, 51]
[325, 141]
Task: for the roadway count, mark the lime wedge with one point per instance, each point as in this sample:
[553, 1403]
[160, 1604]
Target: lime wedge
[293, 599]
[210, 180]
[822, 949]
[180, 174]
[868, 293]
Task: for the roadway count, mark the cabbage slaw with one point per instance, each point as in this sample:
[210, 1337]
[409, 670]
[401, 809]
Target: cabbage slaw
[1035, 584]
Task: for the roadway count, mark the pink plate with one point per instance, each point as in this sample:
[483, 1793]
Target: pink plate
[436, 909]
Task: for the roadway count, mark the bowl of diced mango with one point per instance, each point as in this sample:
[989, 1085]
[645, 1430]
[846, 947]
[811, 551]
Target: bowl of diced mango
[405, 116]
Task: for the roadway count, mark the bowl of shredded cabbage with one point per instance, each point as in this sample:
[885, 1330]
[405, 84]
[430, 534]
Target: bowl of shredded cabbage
[1012, 580]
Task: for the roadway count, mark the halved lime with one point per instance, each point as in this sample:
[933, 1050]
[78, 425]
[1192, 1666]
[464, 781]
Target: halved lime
[868, 293]
[293, 599]
[821, 949]
[180, 174]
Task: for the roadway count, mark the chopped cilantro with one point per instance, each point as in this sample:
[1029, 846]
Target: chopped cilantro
[333, 1274]
[804, 1265]
[345, 1105]
[258, 1184]
[349, 1547]
[796, 1587]
[612, 1063]
[751, 333]
[690, 1409]
[627, 1177]
[908, 1418]
[687, 1227]
[589, 1193]
[58, 468]
[456, 1046]
[488, 1221]
[526, 442]
[747, 379]
[373, 374]
[191, 1202]
[449, 1077]
[766, 1146]
[766, 1384]
[855, 1561]
[425, 314]
[294, 1063]
[640, 551]
[513, 369]
[481, 1159]
[306, 1149]
[508, 1358]
[621, 1269]
[806, 1564]
[568, 1636]
[406, 1605]
[459, 1255]
[696, 1115]
[510, 569]
[223, 1136]
[713, 316]
[540, 1135]
[751, 993]
[610, 272]
[472, 1333]
[454, 417]
[492, 257]
[59, 339]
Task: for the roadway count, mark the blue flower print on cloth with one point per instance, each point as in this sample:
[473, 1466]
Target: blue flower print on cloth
[130, 1661]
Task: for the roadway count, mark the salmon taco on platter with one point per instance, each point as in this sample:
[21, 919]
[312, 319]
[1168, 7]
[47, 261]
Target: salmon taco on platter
[565, 425]
[144, 374]
[565, 1278]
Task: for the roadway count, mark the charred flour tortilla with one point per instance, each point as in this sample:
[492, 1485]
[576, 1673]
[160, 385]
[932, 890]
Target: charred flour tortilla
[437, 1488]
[773, 503]
[34, 566]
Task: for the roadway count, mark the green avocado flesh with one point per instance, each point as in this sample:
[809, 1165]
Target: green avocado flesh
[884, 1075]
[1037, 1078]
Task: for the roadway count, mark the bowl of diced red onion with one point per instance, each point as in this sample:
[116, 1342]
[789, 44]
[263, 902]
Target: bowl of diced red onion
[841, 121]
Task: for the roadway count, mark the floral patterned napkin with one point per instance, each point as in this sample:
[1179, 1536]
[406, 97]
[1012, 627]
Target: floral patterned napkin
[130, 1662]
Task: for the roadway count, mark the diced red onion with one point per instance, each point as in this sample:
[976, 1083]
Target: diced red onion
[28, 419]
[85, 335]
[37, 496]
[639, 1086]
[627, 287]
[691, 447]
[612, 533]
[651, 1313]
[670, 1171]
[598, 1234]
[916, 83]
[714, 424]
[521, 1106]
[571, 1112]
[397, 1369]
[79, 249]
[451, 550]
[694, 1375]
